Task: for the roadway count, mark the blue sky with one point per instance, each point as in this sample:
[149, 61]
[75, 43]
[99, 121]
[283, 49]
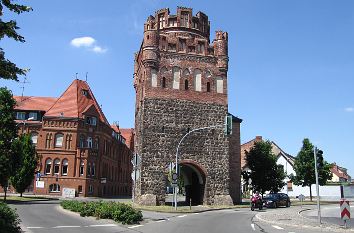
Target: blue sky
[291, 70]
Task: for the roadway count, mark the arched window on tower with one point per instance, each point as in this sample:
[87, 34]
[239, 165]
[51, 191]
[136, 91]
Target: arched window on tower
[219, 85]
[176, 77]
[198, 80]
[153, 78]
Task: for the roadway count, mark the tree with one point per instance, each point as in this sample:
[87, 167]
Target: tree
[9, 70]
[265, 173]
[304, 168]
[8, 133]
[26, 161]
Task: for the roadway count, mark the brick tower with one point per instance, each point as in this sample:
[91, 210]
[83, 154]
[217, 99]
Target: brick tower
[180, 79]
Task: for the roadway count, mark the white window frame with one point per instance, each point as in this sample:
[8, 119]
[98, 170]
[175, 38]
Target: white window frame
[48, 162]
[58, 143]
[34, 138]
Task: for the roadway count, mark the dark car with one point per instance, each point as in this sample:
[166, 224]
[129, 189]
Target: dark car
[277, 199]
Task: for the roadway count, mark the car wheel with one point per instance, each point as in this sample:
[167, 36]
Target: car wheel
[288, 204]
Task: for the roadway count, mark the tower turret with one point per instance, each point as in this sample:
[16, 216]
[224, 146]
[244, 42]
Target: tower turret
[221, 50]
[150, 43]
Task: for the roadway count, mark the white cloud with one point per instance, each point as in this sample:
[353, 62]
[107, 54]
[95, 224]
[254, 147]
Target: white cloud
[349, 109]
[89, 43]
[85, 41]
[98, 49]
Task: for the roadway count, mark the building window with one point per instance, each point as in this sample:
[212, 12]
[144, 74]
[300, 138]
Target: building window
[186, 84]
[198, 80]
[89, 142]
[33, 116]
[93, 172]
[208, 86]
[20, 115]
[163, 82]
[59, 140]
[172, 22]
[182, 45]
[184, 19]
[201, 48]
[195, 25]
[219, 85]
[64, 168]
[79, 189]
[90, 189]
[191, 49]
[153, 78]
[89, 169]
[171, 47]
[85, 92]
[90, 120]
[34, 137]
[82, 168]
[162, 20]
[54, 188]
[82, 141]
[48, 166]
[176, 77]
[56, 166]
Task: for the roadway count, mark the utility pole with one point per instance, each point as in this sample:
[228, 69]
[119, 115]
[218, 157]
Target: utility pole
[317, 186]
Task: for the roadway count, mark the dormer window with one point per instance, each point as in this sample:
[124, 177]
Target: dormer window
[90, 120]
[85, 92]
[20, 115]
[33, 116]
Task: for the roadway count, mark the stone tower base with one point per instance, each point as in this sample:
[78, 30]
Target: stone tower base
[222, 200]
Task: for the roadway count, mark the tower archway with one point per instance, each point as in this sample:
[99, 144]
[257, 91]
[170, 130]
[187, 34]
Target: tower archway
[193, 177]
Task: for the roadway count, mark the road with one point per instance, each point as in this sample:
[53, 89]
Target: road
[330, 214]
[46, 216]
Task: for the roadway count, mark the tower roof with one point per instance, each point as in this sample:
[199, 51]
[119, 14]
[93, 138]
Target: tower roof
[75, 101]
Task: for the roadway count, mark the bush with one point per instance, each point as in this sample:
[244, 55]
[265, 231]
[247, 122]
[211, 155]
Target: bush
[119, 212]
[9, 221]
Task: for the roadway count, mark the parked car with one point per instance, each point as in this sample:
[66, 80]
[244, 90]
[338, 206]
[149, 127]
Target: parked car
[277, 199]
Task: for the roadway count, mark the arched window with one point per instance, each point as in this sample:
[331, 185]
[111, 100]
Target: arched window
[93, 169]
[198, 80]
[64, 168]
[163, 82]
[34, 137]
[59, 140]
[186, 84]
[176, 77]
[219, 85]
[82, 168]
[82, 141]
[208, 86]
[54, 188]
[48, 166]
[89, 142]
[56, 166]
[153, 78]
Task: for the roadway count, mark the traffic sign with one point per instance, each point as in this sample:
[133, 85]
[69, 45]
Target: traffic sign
[174, 177]
[135, 174]
[136, 160]
[344, 210]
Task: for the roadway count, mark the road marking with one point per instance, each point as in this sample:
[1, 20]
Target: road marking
[103, 225]
[135, 226]
[35, 227]
[181, 216]
[196, 213]
[278, 227]
[252, 225]
[66, 227]
[162, 220]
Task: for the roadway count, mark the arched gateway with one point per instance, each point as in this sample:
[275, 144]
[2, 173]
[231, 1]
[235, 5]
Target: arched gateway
[180, 80]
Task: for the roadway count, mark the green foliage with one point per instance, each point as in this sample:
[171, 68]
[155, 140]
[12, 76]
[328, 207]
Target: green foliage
[9, 70]
[8, 133]
[9, 221]
[266, 175]
[119, 212]
[26, 161]
[304, 167]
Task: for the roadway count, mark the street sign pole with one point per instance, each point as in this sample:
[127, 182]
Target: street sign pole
[317, 188]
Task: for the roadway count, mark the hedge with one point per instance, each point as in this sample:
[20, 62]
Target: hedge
[9, 221]
[119, 212]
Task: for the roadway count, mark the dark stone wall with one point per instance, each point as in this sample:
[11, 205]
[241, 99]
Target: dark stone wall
[164, 124]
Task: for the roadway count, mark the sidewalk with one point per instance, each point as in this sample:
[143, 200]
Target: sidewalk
[292, 217]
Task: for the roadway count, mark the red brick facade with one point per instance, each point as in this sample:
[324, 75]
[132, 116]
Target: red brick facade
[78, 149]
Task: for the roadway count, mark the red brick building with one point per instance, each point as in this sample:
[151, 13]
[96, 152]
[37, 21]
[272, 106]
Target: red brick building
[77, 146]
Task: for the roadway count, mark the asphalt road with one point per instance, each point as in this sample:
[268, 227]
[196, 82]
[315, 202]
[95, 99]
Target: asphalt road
[46, 216]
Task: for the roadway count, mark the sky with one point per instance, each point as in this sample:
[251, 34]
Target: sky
[291, 68]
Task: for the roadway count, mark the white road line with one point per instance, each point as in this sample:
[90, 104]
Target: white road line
[35, 227]
[66, 227]
[291, 232]
[196, 213]
[163, 220]
[135, 226]
[181, 216]
[252, 225]
[103, 225]
[278, 227]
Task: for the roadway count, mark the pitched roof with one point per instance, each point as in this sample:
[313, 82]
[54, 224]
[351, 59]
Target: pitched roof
[289, 158]
[247, 147]
[340, 172]
[75, 101]
[128, 134]
[34, 103]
